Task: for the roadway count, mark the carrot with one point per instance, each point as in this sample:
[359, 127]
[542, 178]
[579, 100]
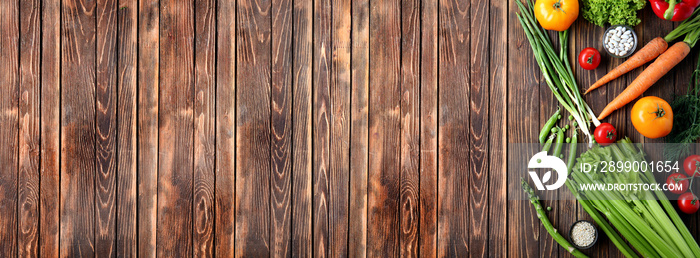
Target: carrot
[652, 49]
[649, 76]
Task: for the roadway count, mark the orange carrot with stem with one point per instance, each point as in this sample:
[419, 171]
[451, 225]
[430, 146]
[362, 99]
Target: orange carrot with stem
[666, 61]
[652, 49]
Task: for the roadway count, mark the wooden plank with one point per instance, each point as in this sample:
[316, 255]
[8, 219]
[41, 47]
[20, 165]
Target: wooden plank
[384, 179]
[547, 106]
[126, 128]
[106, 128]
[148, 90]
[225, 129]
[204, 127]
[281, 130]
[479, 131]
[522, 127]
[498, 70]
[9, 123]
[428, 131]
[454, 128]
[29, 128]
[175, 146]
[50, 128]
[410, 127]
[339, 172]
[322, 39]
[253, 129]
[357, 239]
[588, 35]
[78, 129]
[301, 128]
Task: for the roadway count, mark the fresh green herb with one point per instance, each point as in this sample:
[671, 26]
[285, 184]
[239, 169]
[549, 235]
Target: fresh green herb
[686, 122]
[613, 12]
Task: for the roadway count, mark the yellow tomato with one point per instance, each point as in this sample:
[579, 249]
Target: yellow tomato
[652, 117]
[556, 14]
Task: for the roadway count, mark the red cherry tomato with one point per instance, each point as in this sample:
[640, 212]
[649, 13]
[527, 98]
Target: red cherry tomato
[679, 181]
[688, 203]
[605, 134]
[690, 165]
[589, 58]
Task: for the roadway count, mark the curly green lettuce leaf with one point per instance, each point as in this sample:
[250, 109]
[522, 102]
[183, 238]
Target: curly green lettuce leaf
[614, 12]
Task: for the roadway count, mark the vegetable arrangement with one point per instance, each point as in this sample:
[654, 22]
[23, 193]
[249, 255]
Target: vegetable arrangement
[556, 68]
[613, 12]
[652, 227]
[667, 59]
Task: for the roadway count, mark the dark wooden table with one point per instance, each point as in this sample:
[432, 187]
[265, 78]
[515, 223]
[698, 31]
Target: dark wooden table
[274, 128]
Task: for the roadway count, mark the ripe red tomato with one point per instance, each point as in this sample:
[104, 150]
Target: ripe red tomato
[605, 134]
[688, 203]
[690, 164]
[679, 181]
[589, 58]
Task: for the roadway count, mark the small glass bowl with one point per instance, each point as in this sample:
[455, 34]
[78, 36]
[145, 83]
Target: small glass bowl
[571, 238]
[634, 39]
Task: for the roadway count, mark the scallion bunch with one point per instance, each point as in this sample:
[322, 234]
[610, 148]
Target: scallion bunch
[557, 69]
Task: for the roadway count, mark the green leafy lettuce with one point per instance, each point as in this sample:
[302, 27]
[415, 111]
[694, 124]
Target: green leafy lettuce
[614, 12]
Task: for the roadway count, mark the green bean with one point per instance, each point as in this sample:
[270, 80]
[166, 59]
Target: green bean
[559, 143]
[548, 125]
[548, 143]
[572, 151]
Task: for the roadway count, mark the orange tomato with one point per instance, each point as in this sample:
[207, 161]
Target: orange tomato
[652, 117]
[556, 14]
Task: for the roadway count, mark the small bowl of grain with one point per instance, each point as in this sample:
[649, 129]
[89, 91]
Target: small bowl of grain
[583, 234]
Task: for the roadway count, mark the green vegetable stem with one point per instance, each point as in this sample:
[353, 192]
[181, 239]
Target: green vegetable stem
[535, 200]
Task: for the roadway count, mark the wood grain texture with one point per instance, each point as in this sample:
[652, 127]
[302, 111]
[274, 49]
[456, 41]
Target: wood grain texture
[127, 60]
[322, 62]
[302, 154]
[78, 157]
[498, 70]
[106, 129]
[224, 236]
[479, 128]
[50, 128]
[357, 227]
[429, 130]
[9, 125]
[147, 125]
[384, 179]
[547, 106]
[454, 128]
[204, 128]
[522, 127]
[281, 130]
[175, 146]
[253, 128]
[339, 172]
[410, 127]
[29, 129]
[587, 36]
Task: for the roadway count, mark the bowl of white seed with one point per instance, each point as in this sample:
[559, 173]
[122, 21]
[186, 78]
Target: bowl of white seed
[583, 234]
[620, 41]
